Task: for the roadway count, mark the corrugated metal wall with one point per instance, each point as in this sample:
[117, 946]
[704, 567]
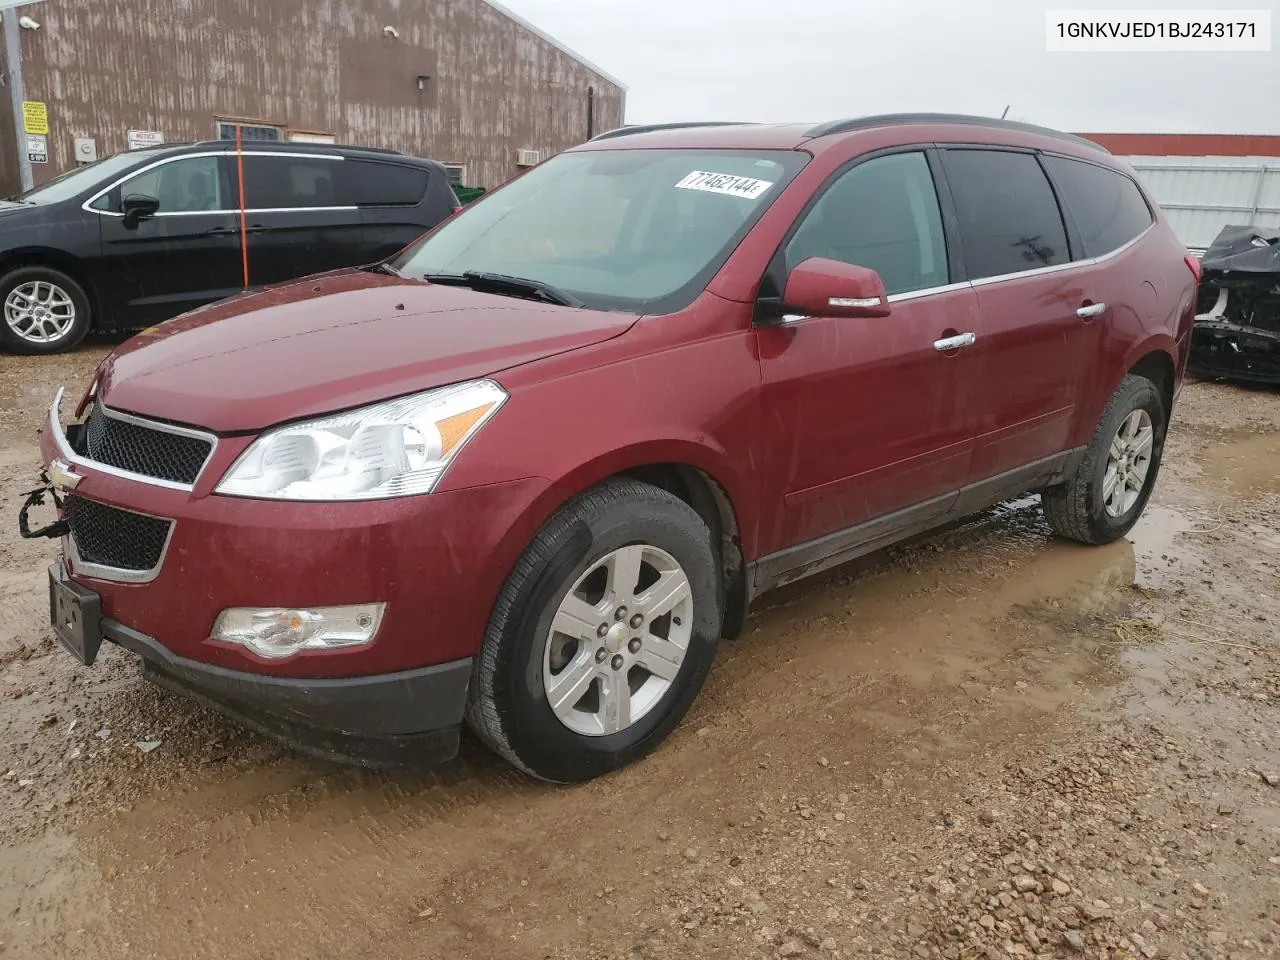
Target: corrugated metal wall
[324, 66]
[1201, 195]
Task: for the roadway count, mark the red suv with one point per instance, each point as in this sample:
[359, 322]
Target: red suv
[528, 472]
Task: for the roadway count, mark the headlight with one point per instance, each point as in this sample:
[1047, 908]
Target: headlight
[394, 449]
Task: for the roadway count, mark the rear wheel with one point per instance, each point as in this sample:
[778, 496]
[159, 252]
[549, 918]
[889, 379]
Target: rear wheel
[44, 311]
[601, 637]
[1108, 491]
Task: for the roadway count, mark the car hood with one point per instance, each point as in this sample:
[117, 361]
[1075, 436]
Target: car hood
[330, 343]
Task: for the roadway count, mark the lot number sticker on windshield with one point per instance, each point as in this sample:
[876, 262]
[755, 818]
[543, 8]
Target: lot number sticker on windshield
[745, 187]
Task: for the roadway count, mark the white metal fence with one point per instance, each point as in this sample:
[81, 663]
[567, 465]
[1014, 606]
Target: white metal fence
[1201, 195]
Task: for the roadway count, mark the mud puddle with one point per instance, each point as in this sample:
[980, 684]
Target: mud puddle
[891, 671]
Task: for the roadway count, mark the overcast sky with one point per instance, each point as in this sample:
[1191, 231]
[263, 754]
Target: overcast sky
[772, 60]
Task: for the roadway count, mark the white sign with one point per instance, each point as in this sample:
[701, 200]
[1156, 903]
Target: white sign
[731, 186]
[1157, 31]
[37, 148]
[138, 139]
[86, 150]
[297, 137]
[7, 4]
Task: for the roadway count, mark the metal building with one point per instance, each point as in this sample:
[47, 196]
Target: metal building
[1205, 182]
[465, 82]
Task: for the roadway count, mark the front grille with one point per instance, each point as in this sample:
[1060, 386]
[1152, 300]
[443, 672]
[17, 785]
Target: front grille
[111, 537]
[150, 451]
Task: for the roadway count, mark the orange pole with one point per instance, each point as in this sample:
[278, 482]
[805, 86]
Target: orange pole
[244, 230]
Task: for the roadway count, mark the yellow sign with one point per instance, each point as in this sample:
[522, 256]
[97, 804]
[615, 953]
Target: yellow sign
[35, 116]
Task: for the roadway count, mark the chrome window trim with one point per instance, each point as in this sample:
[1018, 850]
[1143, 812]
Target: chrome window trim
[1036, 272]
[87, 206]
[1057, 267]
[99, 571]
[1123, 247]
[1039, 271]
[235, 211]
[928, 291]
[64, 448]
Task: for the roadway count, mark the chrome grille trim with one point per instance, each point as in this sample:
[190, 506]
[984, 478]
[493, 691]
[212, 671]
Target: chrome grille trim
[59, 436]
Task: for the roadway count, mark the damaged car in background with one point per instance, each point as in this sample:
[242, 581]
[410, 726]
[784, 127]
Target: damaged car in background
[1237, 328]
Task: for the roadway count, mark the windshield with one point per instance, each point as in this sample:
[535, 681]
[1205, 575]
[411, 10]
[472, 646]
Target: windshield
[84, 179]
[635, 230]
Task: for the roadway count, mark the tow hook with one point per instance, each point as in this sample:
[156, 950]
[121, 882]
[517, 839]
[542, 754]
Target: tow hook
[36, 498]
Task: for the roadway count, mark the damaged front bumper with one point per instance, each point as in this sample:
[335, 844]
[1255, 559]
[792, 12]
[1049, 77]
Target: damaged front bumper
[1224, 347]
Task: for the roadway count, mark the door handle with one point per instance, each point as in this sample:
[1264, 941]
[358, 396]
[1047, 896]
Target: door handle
[1091, 310]
[947, 344]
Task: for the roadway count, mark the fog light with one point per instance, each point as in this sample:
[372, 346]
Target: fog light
[277, 633]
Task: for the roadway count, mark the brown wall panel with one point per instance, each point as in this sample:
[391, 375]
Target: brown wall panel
[312, 65]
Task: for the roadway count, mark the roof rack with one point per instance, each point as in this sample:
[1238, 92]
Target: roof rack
[893, 119]
[289, 145]
[651, 127]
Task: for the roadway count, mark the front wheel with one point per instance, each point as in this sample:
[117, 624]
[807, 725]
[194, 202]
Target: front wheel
[45, 311]
[1105, 496]
[601, 637]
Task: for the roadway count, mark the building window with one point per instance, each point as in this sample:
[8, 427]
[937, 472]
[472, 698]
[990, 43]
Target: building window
[456, 172]
[260, 132]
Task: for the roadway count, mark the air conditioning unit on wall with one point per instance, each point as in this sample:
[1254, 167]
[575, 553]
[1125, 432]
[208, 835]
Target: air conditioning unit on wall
[527, 158]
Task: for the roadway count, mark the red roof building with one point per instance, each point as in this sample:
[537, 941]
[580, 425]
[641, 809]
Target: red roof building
[1188, 144]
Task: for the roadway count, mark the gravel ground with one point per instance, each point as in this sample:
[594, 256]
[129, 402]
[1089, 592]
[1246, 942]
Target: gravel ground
[987, 743]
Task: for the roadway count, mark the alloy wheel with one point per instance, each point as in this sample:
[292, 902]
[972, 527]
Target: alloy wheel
[1128, 463]
[617, 640]
[39, 311]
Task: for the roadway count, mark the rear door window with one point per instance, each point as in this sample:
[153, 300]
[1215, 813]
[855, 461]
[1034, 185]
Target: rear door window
[281, 183]
[1009, 216]
[374, 184]
[1107, 207]
[882, 214]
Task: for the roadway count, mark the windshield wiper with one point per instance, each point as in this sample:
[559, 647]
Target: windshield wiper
[384, 268]
[500, 283]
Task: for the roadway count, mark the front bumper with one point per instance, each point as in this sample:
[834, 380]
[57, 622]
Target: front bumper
[409, 717]
[1233, 351]
[436, 561]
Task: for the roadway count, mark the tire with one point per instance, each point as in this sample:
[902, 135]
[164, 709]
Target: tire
[508, 705]
[1078, 509]
[59, 295]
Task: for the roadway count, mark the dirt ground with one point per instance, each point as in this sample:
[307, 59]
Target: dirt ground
[986, 744]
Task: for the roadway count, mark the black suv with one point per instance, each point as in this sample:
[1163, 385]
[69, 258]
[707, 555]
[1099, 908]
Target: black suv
[143, 236]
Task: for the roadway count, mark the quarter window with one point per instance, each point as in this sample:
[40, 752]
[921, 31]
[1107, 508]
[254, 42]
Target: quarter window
[1107, 207]
[882, 214]
[1009, 217]
[189, 185]
[272, 183]
[374, 184]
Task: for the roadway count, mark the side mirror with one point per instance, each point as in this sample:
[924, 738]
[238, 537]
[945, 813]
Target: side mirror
[137, 207]
[818, 287]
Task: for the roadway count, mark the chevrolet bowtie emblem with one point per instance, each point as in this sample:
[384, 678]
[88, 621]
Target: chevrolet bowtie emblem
[62, 478]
